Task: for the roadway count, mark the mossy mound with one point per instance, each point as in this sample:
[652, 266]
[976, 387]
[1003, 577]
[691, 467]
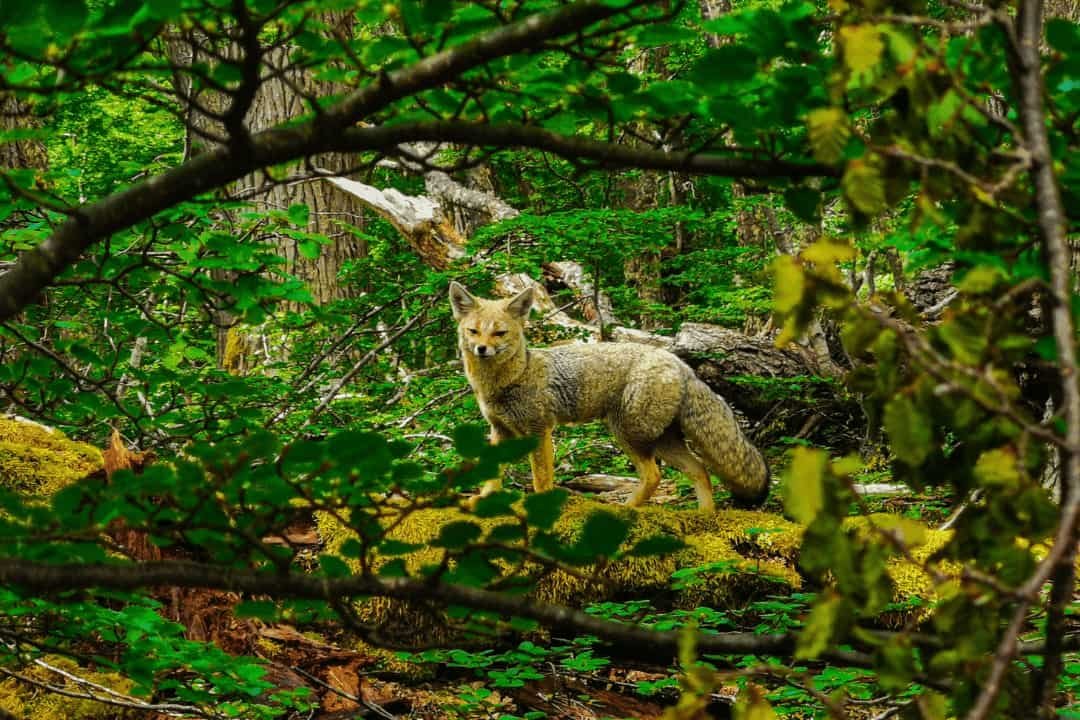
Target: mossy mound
[746, 555]
[752, 553]
[915, 589]
[27, 701]
[37, 461]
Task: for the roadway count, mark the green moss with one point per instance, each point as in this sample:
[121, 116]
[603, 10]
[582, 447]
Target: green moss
[236, 357]
[736, 580]
[29, 702]
[760, 547]
[915, 589]
[745, 554]
[38, 461]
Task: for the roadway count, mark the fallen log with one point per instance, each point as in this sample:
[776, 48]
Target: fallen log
[621, 486]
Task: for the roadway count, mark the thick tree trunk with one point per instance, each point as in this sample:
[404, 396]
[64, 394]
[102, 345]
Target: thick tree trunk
[642, 192]
[279, 97]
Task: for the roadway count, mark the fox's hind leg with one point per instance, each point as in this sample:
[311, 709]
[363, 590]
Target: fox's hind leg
[672, 449]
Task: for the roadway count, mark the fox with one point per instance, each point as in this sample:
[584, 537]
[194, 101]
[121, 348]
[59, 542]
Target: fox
[651, 401]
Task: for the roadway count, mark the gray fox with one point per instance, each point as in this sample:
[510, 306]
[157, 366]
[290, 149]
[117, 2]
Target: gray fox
[651, 400]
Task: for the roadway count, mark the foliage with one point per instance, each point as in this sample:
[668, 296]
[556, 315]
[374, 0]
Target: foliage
[152, 300]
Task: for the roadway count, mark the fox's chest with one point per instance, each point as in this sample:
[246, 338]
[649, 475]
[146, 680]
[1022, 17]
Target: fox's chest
[518, 408]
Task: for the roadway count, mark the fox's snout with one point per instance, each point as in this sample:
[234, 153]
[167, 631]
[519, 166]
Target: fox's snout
[476, 341]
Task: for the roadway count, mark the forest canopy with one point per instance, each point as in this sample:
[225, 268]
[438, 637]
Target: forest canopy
[240, 463]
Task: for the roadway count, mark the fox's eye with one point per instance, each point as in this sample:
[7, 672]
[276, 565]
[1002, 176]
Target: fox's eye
[474, 331]
[499, 333]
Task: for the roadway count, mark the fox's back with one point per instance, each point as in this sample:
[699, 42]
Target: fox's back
[589, 381]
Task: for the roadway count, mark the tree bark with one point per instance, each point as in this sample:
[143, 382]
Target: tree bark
[280, 99]
[15, 114]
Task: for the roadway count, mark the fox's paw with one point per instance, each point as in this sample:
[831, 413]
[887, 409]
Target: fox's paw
[489, 487]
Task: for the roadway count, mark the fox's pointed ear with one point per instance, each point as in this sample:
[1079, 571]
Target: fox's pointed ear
[521, 304]
[461, 301]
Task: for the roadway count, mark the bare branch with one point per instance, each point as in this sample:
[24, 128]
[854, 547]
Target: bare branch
[1025, 67]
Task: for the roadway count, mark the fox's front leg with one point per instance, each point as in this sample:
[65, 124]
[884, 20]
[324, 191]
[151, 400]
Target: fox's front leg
[542, 461]
[496, 436]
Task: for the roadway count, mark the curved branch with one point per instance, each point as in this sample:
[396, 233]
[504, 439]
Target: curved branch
[601, 154]
[36, 268]
[624, 639]
[1025, 68]
[332, 131]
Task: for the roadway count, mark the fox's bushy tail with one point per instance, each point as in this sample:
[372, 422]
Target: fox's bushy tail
[709, 424]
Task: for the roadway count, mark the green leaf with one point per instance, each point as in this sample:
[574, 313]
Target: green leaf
[458, 534]
[804, 486]
[863, 47]
[820, 627]
[259, 609]
[910, 434]
[435, 12]
[998, 468]
[1063, 35]
[965, 337]
[352, 548]
[828, 132]
[495, 504]
[473, 570]
[506, 533]
[656, 545]
[804, 203]
[165, 9]
[65, 17]
[543, 509]
[396, 568]
[511, 449]
[602, 534]
[470, 440]
[299, 215]
[864, 187]
[981, 279]
[334, 566]
[940, 115]
[390, 547]
[789, 286]
[1046, 348]
[719, 69]
[664, 35]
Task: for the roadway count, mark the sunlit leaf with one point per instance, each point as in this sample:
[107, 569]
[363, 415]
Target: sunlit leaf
[910, 433]
[862, 45]
[828, 133]
[804, 486]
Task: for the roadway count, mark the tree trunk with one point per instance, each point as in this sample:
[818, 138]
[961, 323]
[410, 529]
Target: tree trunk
[19, 153]
[277, 100]
[280, 97]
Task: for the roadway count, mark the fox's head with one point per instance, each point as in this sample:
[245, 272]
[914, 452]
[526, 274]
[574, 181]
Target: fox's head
[489, 328]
